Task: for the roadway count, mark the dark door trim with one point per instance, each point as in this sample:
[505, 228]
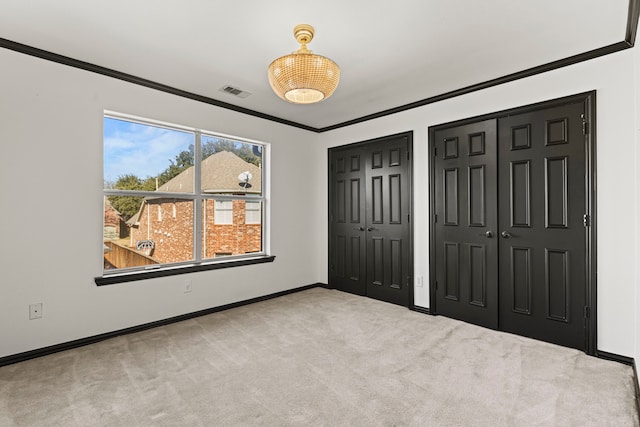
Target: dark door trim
[589, 99]
[409, 136]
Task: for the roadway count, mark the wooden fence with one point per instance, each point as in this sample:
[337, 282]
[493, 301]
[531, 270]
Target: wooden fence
[122, 257]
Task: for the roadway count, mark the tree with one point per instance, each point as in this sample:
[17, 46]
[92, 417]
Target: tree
[128, 206]
[242, 150]
[183, 160]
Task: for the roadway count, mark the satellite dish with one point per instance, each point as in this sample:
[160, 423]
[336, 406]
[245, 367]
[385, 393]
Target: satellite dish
[245, 176]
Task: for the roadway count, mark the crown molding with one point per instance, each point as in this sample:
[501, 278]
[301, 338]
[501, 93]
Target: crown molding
[628, 42]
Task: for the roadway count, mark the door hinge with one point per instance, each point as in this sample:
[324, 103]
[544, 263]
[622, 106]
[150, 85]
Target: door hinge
[434, 151]
[585, 125]
[587, 312]
[586, 220]
[435, 218]
[408, 155]
[436, 285]
[408, 217]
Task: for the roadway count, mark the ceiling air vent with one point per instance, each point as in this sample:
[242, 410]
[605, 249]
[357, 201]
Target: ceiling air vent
[234, 91]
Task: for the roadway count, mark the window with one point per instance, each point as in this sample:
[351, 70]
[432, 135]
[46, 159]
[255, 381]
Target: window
[223, 214]
[253, 213]
[202, 181]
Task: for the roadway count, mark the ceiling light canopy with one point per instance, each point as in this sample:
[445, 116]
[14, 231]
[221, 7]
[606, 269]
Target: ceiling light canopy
[303, 77]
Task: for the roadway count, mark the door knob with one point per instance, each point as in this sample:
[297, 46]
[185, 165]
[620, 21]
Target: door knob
[370, 228]
[361, 228]
[488, 234]
[505, 234]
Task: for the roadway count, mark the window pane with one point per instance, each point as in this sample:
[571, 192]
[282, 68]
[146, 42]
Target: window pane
[144, 157]
[253, 213]
[231, 167]
[233, 238]
[152, 236]
[223, 213]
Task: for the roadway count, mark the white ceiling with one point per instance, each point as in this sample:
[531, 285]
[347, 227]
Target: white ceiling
[391, 53]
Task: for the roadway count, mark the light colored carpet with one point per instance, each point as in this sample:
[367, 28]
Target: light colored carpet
[318, 357]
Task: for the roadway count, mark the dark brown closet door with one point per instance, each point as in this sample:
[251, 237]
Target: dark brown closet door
[465, 227]
[387, 212]
[347, 251]
[369, 230]
[542, 175]
[512, 239]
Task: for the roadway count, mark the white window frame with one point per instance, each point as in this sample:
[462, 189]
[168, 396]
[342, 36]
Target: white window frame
[198, 198]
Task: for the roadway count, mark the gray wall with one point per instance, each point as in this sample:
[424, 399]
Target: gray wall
[51, 180]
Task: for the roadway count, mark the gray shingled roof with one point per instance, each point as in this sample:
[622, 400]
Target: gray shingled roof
[219, 175]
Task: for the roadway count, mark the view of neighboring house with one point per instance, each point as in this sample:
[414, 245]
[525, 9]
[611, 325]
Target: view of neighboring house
[114, 228]
[114, 225]
[163, 227]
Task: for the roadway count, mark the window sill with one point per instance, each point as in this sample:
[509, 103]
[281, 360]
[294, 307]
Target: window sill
[173, 271]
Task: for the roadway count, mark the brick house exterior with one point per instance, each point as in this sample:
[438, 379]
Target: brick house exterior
[168, 222]
[114, 225]
[234, 239]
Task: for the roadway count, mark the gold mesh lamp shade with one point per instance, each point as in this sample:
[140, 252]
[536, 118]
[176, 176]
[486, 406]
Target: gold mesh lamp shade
[303, 77]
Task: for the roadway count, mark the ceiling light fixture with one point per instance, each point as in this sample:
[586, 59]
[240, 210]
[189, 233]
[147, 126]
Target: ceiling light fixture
[303, 77]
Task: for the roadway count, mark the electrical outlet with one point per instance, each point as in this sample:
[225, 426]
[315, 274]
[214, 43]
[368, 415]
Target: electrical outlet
[188, 286]
[35, 311]
[419, 281]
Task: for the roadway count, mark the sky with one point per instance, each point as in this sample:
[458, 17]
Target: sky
[141, 150]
